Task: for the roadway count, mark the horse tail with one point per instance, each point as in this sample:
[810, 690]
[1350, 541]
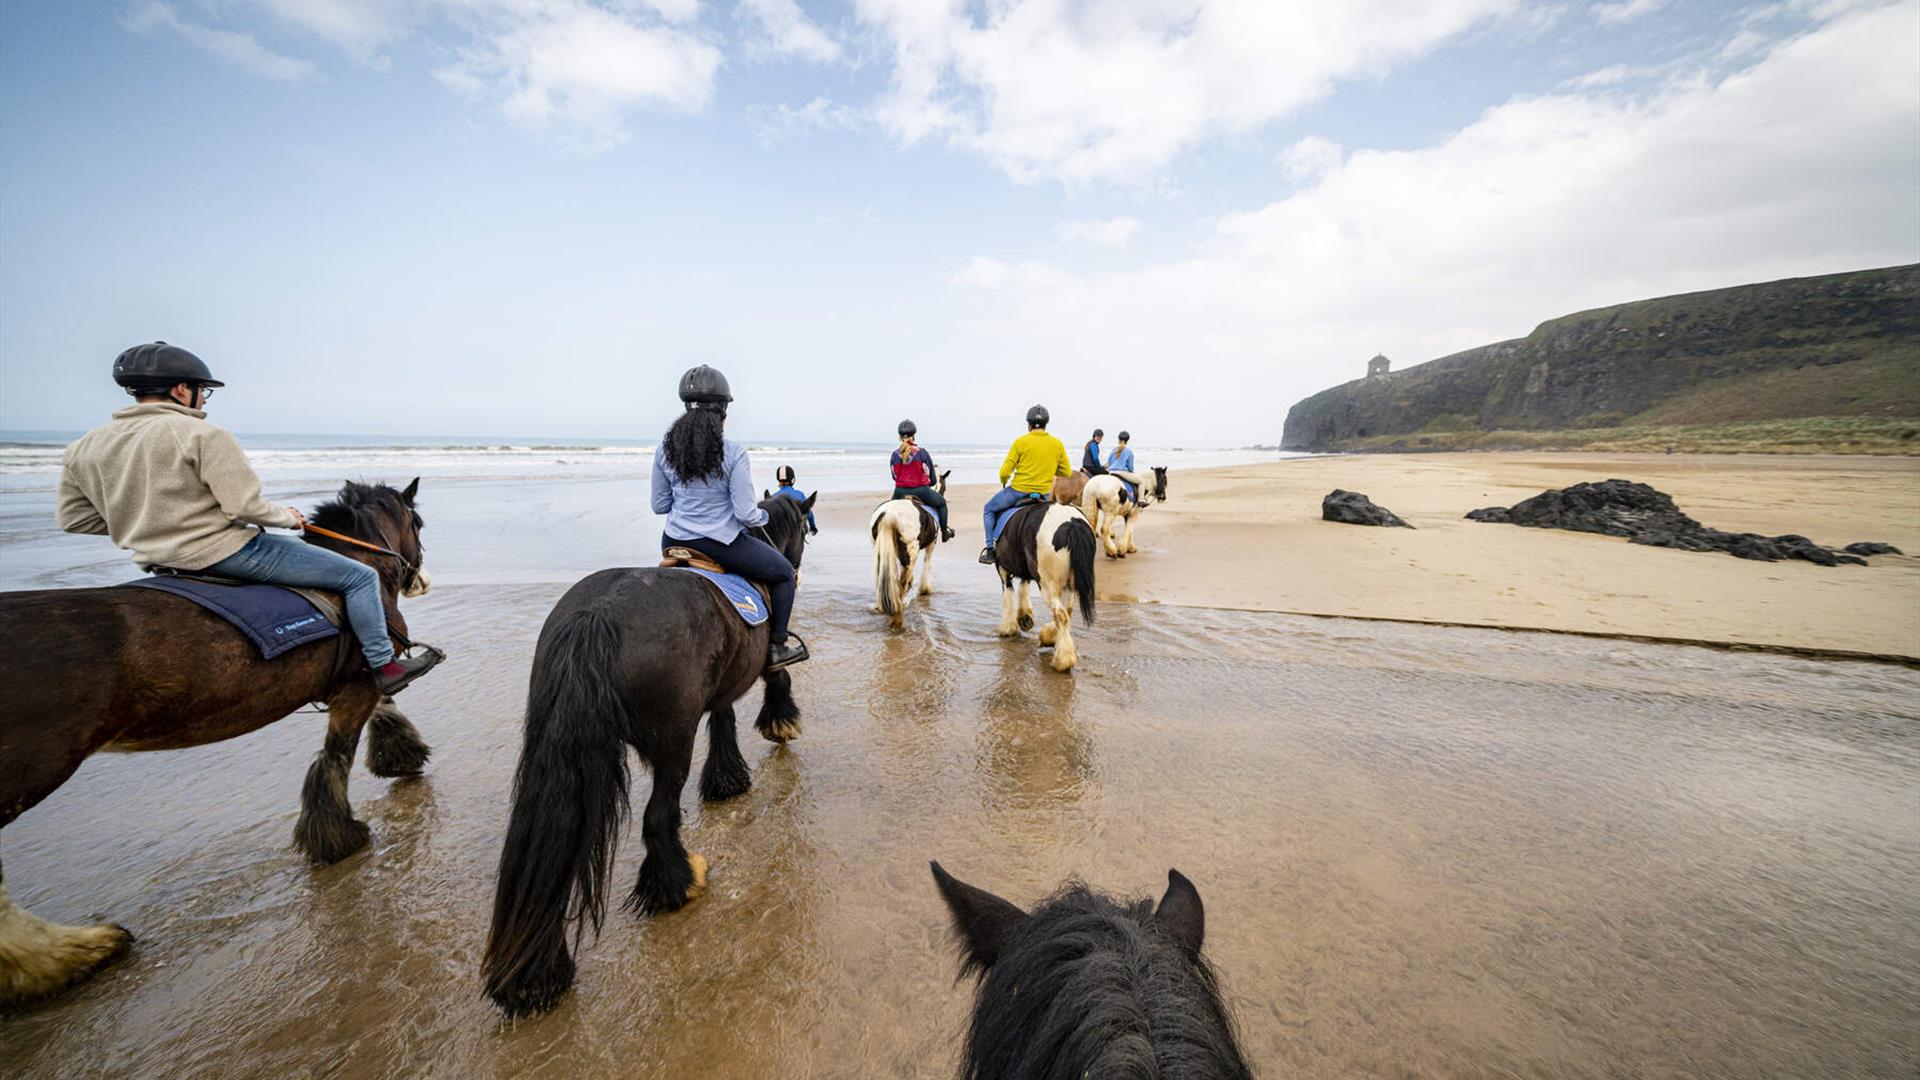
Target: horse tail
[889, 559]
[569, 801]
[1080, 546]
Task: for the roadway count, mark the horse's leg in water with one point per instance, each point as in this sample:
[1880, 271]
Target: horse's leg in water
[1109, 526]
[327, 831]
[1128, 548]
[725, 775]
[669, 876]
[394, 745]
[1009, 608]
[779, 719]
[39, 959]
[1056, 581]
[926, 569]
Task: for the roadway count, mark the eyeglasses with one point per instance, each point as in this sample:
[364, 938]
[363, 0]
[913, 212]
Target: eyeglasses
[206, 393]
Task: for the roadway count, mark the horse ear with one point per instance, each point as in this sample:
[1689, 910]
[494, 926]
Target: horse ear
[1180, 912]
[984, 923]
[808, 504]
[765, 494]
[412, 490]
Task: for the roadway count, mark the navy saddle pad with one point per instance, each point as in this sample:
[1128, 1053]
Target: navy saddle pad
[1000, 522]
[740, 592]
[275, 619]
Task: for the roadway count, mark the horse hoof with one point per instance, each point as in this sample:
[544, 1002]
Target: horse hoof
[1026, 623]
[781, 731]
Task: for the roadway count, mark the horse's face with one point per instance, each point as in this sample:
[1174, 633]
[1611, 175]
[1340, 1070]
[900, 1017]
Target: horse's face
[1159, 483]
[385, 516]
[941, 485]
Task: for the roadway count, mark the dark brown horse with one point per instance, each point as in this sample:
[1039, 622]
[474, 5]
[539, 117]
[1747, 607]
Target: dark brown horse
[138, 669]
[627, 658]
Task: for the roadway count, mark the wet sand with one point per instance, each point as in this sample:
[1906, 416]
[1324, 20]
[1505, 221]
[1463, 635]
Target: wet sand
[1251, 538]
[1423, 851]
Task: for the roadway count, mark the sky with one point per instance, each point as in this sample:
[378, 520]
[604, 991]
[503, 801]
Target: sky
[527, 217]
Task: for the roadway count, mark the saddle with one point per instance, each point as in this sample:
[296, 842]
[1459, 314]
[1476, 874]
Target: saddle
[689, 559]
[330, 604]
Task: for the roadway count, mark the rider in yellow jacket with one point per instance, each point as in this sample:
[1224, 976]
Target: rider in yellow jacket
[1032, 462]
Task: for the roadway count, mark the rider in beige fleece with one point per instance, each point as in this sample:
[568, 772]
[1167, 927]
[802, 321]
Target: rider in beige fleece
[177, 492]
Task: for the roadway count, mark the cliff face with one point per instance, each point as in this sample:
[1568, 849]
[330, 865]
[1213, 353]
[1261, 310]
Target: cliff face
[1839, 345]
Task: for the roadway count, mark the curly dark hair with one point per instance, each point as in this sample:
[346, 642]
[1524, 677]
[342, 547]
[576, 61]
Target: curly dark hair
[693, 445]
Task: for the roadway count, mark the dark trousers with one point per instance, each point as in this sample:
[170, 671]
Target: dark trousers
[756, 560]
[930, 497]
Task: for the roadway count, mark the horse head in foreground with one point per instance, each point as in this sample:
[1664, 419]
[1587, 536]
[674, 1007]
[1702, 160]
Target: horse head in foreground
[628, 658]
[1054, 546]
[1087, 985]
[904, 532]
[133, 669]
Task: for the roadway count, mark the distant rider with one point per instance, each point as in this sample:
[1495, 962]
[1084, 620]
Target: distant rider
[1122, 459]
[703, 483]
[913, 474]
[1032, 462]
[784, 475]
[1090, 457]
[177, 492]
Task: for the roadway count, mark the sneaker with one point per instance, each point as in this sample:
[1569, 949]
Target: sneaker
[786, 654]
[400, 671]
[986, 555]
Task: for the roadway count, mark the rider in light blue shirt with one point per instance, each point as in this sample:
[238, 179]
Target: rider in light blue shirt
[1122, 457]
[714, 507]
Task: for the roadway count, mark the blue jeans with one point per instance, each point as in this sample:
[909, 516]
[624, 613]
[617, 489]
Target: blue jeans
[282, 560]
[1004, 499]
[756, 560]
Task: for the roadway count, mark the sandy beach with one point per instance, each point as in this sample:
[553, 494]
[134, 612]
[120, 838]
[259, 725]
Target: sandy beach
[1251, 538]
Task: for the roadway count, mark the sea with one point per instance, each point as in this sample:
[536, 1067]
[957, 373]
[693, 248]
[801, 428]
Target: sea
[498, 509]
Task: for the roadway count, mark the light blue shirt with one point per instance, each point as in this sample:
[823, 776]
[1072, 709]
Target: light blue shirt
[716, 507]
[1122, 460]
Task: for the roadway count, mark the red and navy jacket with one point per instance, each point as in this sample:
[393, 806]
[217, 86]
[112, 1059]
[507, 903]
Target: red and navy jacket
[916, 471]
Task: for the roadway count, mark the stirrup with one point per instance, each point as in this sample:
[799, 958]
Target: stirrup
[799, 653]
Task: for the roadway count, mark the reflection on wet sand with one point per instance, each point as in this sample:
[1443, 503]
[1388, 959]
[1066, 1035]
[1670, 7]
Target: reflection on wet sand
[1423, 851]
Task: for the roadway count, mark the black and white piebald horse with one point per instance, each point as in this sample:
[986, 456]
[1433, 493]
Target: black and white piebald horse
[1106, 505]
[1053, 545]
[905, 532]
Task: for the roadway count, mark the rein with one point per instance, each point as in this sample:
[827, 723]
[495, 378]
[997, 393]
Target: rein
[413, 572]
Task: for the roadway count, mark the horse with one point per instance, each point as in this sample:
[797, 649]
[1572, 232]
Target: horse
[628, 657]
[136, 669]
[1106, 505]
[904, 533]
[1087, 985]
[1054, 546]
[1067, 489]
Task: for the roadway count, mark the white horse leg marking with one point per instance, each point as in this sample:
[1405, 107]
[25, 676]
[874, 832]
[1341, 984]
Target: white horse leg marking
[926, 570]
[1056, 587]
[1008, 611]
[1026, 607]
[39, 958]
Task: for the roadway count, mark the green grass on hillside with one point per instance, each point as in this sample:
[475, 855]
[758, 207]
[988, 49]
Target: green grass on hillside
[1885, 383]
[1806, 435]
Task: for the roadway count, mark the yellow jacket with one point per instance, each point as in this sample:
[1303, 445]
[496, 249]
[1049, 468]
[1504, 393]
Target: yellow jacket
[1033, 461]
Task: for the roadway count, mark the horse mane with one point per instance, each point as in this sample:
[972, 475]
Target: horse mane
[1090, 986]
[360, 509]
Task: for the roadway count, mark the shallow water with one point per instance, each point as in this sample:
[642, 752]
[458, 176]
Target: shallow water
[1423, 851]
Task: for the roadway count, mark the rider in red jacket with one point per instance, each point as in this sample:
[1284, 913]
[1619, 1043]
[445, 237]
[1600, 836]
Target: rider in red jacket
[913, 475]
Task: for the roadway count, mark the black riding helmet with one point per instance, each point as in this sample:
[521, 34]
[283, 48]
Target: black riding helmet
[155, 366]
[907, 428]
[1124, 437]
[1037, 416]
[784, 475]
[1098, 434]
[704, 388]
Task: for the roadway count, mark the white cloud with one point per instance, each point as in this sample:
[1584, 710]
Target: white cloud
[1624, 11]
[1802, 163]
[357, 27]
[1112, 233]
[576, 69]
[783, 121]
[1048, 88]
[238, 49]
[781, 29]
[1311, 158]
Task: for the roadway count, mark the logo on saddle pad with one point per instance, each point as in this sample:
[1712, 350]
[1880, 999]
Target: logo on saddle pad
[740, 592]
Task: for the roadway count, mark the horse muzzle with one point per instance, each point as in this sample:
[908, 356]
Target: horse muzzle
[419, 585]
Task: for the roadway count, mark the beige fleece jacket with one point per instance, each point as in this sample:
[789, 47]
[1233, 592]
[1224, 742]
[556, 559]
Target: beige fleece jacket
[166, 485]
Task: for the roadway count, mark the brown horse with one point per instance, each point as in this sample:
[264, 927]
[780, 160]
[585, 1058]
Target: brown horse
[1067, 489]
[139, 669]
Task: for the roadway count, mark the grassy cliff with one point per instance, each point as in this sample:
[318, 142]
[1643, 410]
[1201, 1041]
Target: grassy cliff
[1808, 364]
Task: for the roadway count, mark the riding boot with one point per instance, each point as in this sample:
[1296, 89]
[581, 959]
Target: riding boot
[400, 671]
[986, 555]
[946, 534]
[785, 654]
